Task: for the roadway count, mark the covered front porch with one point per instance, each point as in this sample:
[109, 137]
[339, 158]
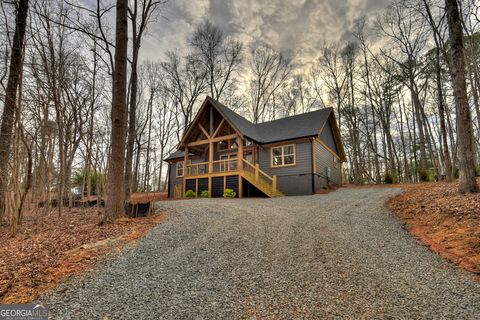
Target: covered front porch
[217, 157]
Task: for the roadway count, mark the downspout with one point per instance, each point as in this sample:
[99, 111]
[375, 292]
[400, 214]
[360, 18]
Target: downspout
[313, 159]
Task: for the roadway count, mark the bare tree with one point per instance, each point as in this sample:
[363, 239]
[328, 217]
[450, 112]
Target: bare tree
[140, 15]
[115, 205]
[408, 33]
[329, 68]
[468, 182]
[10, 106]
[185, 81]
[269, 71]
[436, 26]
[220, 57]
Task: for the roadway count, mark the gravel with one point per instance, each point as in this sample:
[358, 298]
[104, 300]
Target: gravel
[341, 255]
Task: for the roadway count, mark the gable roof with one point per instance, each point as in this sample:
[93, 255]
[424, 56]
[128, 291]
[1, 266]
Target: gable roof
[304, 125]
[299, 126]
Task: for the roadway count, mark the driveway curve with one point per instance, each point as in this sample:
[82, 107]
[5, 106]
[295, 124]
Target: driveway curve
[337, 256]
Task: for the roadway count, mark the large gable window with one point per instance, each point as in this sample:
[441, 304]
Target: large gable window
[283, 156]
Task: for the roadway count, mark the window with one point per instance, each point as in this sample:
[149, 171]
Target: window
[226, 145]
[180, 169]
[282, 156]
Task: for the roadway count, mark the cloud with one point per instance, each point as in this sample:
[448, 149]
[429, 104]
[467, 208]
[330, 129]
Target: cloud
[297, 28]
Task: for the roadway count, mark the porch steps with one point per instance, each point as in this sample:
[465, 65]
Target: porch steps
[261, 184]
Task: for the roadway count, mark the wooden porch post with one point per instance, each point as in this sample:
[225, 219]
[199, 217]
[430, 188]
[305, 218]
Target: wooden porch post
[240, 154]
[274, 183]
[210, 157]
[185, 161]
[210, 167]
[240, 167]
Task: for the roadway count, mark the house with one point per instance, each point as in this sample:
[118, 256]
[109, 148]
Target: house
[297, 155]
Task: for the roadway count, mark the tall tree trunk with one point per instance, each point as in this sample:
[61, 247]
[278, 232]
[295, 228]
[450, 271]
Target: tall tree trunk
[132, 116]
[146, 179]
[441, 112]
[8, 118]
[418, 116]
[88, 159]
[468, 182]
[115, 205]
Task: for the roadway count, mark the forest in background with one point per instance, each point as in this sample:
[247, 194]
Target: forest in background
[391, 87]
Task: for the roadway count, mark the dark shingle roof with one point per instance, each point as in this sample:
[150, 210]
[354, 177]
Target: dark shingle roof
[241, 124]
[298, 126]
[176, 155]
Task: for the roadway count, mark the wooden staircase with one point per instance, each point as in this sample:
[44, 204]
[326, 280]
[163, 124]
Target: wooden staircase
[261, 180]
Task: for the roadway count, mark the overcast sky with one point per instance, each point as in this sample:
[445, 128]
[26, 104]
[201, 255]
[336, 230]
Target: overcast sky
[297, 28]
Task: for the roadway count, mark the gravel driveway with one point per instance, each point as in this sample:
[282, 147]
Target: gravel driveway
[341, 255]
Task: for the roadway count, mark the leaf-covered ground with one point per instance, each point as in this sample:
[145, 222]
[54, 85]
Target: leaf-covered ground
[447, 222]
[48, 249]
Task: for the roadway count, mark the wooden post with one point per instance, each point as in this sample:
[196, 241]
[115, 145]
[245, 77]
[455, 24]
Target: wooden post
[210, 186]
[210, 157]
[240, 186]
[257, 168]
[240, 154]
[274, 183]
[185, 160]
[240, 167]
[211, 121]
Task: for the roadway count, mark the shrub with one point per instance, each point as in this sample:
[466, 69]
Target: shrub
[388, 178]
[423, 174]
[190, 194]
[229, 193]
[204, 194]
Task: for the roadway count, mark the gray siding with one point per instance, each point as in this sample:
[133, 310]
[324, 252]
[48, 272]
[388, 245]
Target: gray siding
[324, 160]
[327, 137]
[294, 180]
[173, 180]
[295, 185]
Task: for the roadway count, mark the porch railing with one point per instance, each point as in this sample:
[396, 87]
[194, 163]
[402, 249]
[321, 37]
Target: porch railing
[226, 165]
[195, 169]
[219, 166]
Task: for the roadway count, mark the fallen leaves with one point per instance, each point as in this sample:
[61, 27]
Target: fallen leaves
[447, 222]
[49, 249]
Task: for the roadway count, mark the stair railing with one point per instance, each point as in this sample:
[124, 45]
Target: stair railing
[260, 175]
